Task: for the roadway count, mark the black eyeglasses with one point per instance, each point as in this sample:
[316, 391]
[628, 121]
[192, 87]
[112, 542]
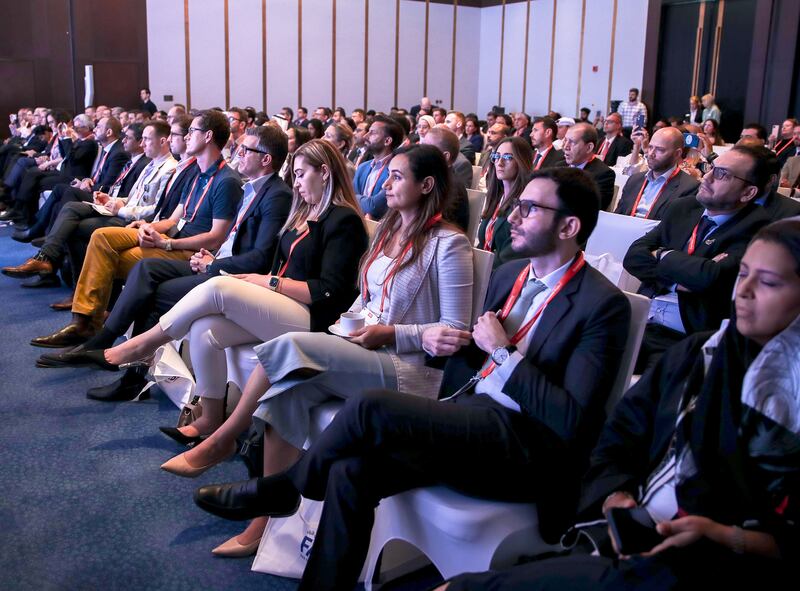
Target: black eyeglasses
[526, 207]
[193, 129]
[722, 174]
[242, 149]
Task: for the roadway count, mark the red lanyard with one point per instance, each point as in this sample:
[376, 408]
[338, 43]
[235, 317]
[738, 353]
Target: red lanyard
[176, 173]
[291, 250]
[205, 192]
[542, 156]
[786, 145]
[661, 190]
[398, 261]
[125, 170]
[100, 164]
[522, 279]
[693, 239]
[239, 219]
[377, 178]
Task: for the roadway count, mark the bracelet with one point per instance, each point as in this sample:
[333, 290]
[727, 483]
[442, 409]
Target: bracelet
[739, 546]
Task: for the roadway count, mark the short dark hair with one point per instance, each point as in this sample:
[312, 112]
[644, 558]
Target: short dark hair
[243, 116]
[506, 118]
[147, 90]
[291, 113]
[403, 122]
[440, 110]
[786, 233]
[762, 166]
[160, 127]
[137, 129]
[578, 195]
[586, 110]
[184, 122]
[272, 140]
[360, 110]
[547, 123]
[761, 131]
[217, 123]
[302, 109]
[636, 90]
[393, 128]
[588, 133]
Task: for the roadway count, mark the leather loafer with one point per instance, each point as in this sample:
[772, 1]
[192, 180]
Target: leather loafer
[45, 280]
[62, 305]
[274, 496]
[124, 389]
[33, 266]
[69, 336]
[176, 435]
[76, 357]
[22, 236]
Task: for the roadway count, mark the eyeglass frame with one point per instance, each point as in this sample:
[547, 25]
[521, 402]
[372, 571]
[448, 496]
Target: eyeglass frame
[193, 129]
[249, 149]
[516, 204]
[726, 171]
[498, 156]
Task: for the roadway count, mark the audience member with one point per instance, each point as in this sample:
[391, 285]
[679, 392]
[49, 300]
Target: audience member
[457, 211]
[710, 109]
[522, 126]
[384, 136]
[790, 173]
[633, 112]
[614, 143]
[145, 104]
[783, 145]
[579, 146]
[302, 117]
[563, 124]
[756, 132]
[543, 133]
[695, 114]
[456, 122]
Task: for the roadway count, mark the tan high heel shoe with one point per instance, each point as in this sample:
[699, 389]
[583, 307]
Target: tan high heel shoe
[233, 549]
[181, 467]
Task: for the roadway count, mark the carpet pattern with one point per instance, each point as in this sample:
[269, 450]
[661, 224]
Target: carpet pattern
[83, 503]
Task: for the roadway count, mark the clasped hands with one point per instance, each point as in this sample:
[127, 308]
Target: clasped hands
[149, 237]
[488, 334]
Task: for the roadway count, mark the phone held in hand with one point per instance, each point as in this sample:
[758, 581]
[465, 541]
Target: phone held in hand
[640, 120]
[691, 140]
[633, 530]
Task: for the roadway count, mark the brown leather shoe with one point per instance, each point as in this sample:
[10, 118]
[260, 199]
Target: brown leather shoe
[65, 304]
[72, 334]
[33, 266]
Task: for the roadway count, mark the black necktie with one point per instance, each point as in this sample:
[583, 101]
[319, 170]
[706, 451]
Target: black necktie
[703, 228]
[536, 160]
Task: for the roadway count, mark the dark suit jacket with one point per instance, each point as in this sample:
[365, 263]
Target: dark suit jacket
[604, 177]
[553, 159]
[255, 242]
[78, 157]
[467, 149]
[710, 284]
[785, 149]
[683, 185]
[133, 174]
[778, 207]
[562, 384]
[170, 200]
[112, 167]
[621, 146]
[338, 239]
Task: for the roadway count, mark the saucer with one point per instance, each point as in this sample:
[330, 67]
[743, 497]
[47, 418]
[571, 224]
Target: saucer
[338, 331]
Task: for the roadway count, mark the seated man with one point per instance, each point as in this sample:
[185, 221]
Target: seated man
[447, 142]
[385, 135]
[579, 144]
[520, 430]
[543, 133]
[105, 211]
[648, 194]
[614, 143]
[201, 220]
[688, 264]
[776, 206]
[154, 285]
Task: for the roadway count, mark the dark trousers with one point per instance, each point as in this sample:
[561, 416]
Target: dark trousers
[700, 566]
[152, 287]
[48, 213]
[383, 443]
[657, 339]
[34, 182]
[13, 177]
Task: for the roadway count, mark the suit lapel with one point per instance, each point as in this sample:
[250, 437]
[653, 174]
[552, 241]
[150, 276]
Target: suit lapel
[407, 283]
[554, 312]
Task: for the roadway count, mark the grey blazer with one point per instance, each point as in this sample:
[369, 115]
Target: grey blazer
[436, 291]
[791, 170]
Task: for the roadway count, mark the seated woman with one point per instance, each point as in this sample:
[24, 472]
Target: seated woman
[707, 443]
[296, 136]
[511, 165]
[312, 280]
[424, 125]
[341, 137]
[472, 128]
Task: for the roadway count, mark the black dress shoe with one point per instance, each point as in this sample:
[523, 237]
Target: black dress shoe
[44, 280]
[175, 434]
[69, 336]
[124, 389]
[22, 236]
[76, 357]
[274, 496]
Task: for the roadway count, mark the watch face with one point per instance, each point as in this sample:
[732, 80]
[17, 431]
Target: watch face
[273, 282]
[499, 355]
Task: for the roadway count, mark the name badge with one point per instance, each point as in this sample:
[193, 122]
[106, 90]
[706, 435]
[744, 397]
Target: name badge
[370, 318]
[181, 224]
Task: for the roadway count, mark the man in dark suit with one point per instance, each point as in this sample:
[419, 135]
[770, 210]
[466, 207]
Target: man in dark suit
[522, 126]
[146, 104]
[543, 134]
[457, 122]
[648, 194]
[155, 285]
[784, 144]
[302, 117]
[579, 146]
[614, 143]
[688, 264]
[447, 143]
[113, 158]
[522, 432]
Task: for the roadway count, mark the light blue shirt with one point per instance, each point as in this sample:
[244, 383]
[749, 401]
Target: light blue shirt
[651, 191]
[251, 189]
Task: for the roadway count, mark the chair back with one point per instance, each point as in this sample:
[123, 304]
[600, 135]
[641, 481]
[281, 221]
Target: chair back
[476, 176]
[372, 227]
[476, 199]
[615, 233]
[640, 310]
[482, 261]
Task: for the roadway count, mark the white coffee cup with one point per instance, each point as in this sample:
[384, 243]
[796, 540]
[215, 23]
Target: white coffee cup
[351, 321]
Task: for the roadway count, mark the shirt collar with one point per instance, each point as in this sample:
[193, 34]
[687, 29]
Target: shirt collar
[135, 158]
[213, 168]
[665, 175]
[256, 184]
[379, 163]
[721, 218]
[107, 148]
[551, 279]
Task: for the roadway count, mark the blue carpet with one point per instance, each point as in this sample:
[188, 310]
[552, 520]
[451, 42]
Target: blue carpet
[83, 502]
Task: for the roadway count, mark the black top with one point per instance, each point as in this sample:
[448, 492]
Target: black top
[327, 259]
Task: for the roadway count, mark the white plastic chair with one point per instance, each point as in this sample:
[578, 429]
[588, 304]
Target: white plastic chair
[476, 176]
[460, 534]
[482, 261]
[476, 200]
[372, 227]
[615, 233]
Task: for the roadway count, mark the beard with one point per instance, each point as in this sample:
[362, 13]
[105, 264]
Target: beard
[539, 243]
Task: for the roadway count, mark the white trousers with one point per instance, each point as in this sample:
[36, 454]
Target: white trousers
[226, 312]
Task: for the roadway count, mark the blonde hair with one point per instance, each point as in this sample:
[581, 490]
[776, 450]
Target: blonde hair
[338, 188]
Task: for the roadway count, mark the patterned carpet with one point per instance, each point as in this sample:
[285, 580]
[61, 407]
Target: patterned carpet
[83, 504]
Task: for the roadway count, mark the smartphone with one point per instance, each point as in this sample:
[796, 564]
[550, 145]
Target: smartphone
[639, 120]
[13, 118]
[633, 530]
[691, 140]
[62, 127]
[776, 130]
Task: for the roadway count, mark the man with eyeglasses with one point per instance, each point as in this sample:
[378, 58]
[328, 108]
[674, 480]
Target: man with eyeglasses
[688, 264]
[237, 119]
[527, 397]
[201, 220]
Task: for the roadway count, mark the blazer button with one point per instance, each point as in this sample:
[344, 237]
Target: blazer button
[327, 294]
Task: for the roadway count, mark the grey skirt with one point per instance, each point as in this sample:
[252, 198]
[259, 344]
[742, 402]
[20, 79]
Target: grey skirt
[306, 370]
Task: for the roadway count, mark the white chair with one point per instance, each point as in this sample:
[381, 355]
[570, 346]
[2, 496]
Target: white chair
[476, 201]
[372, 227]
[476, 176]
[462, 534]
[482, 261]
[615, 233]
[614, 199]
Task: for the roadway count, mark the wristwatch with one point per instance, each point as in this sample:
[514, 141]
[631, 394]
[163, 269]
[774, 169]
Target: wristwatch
[274, 282]
[168, 245]
[501, 354]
